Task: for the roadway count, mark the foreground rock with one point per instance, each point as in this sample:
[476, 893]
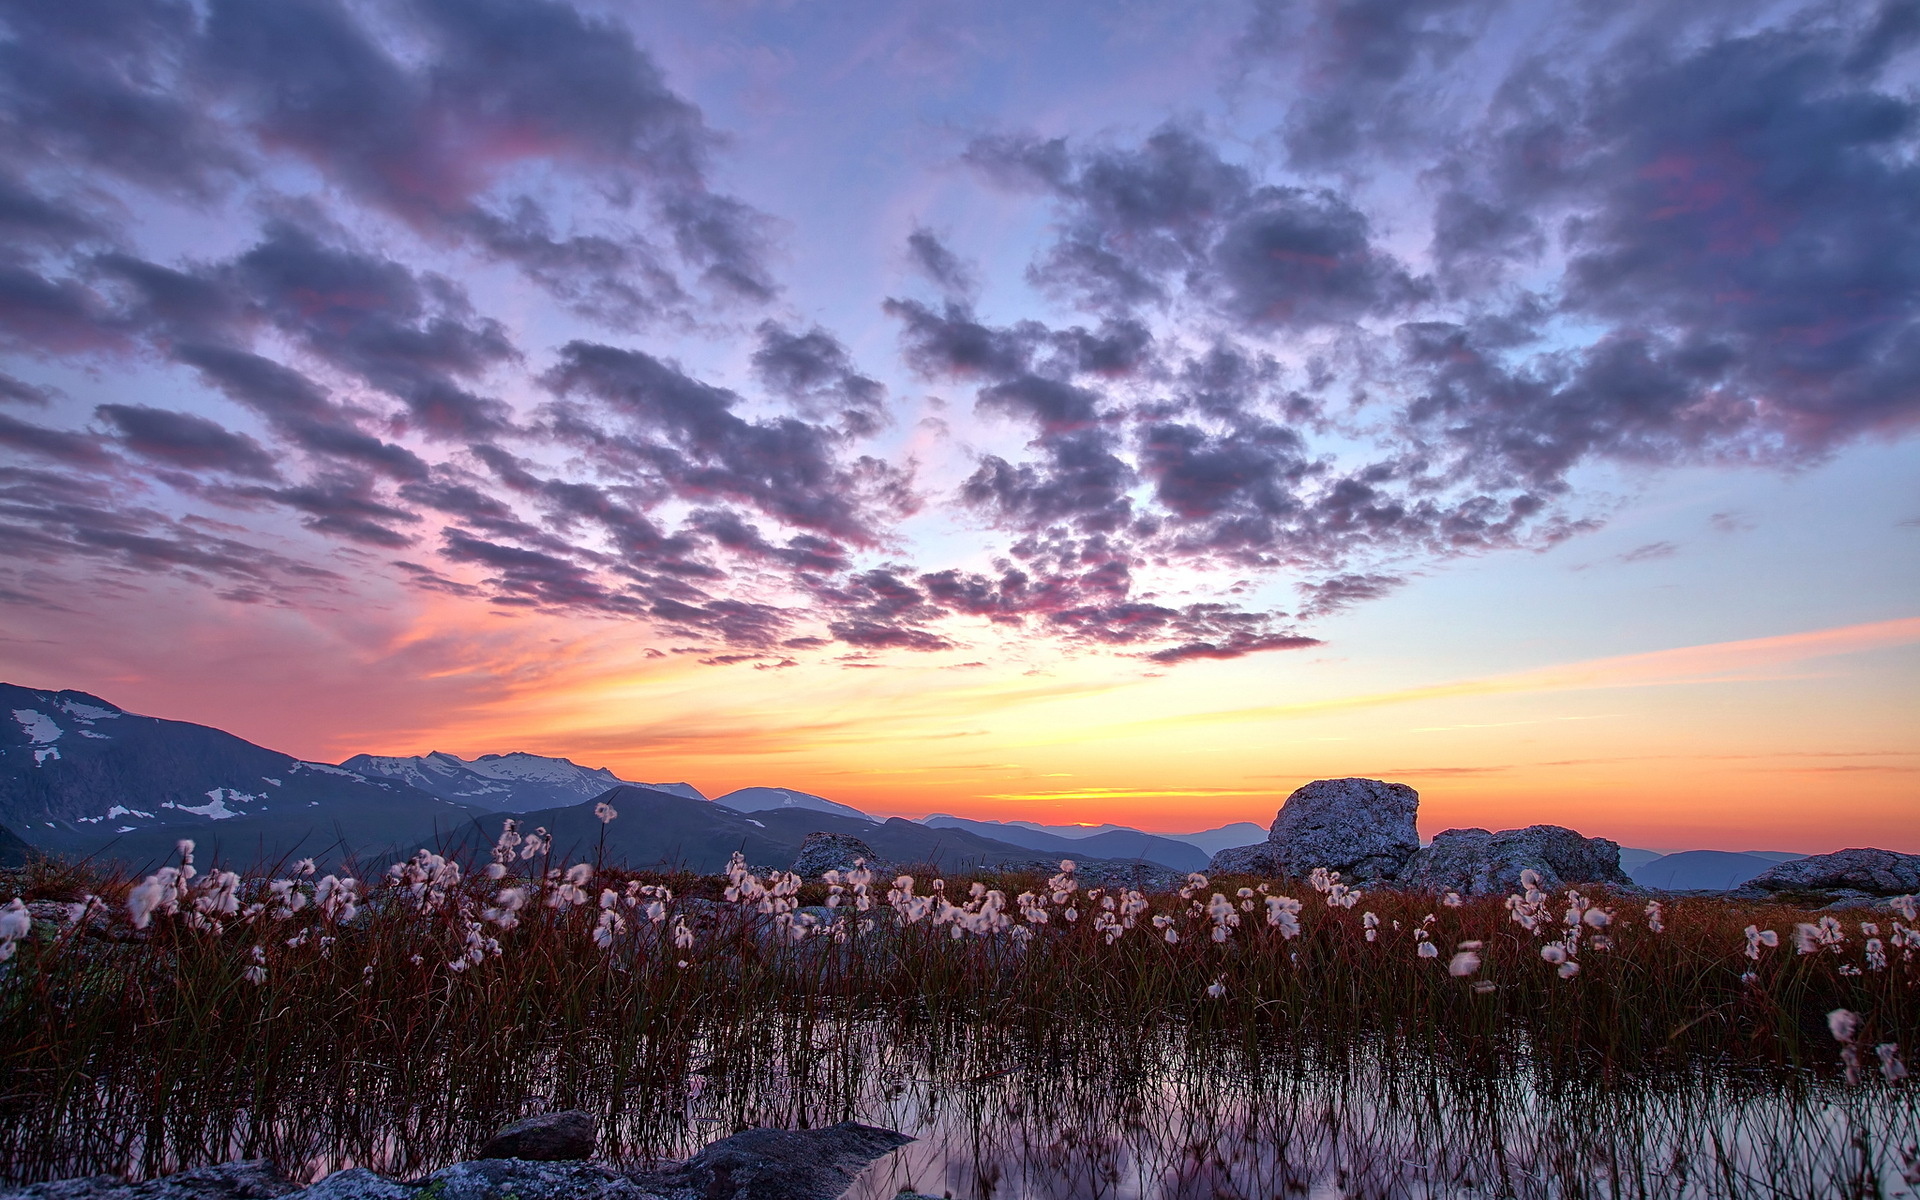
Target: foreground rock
[759, 1164]
[1474, 862]
[1362, 828]
[554, 1137]
[823, 852]
[779, 1164]
[1865, 872]
[254, 1179]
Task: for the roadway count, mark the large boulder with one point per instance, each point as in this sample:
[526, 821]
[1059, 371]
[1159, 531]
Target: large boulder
[550, 1137]
[1874, 872]
[1261, 858]
[779, 1164]
[823, 852]
[1474, 862]
[1362, 828]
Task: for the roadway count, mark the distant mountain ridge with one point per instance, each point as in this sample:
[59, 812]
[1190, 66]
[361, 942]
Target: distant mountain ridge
[79, 774]
[502, 782]
[763, 799]
[1112, 842]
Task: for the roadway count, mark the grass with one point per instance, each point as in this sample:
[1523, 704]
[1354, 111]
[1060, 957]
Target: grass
[403, 1032]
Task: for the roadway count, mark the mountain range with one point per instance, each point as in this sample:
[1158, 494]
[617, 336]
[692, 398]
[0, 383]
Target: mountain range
[81, 776]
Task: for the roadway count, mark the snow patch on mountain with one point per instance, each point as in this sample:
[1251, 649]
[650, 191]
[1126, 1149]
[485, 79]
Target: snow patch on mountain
[38, 726]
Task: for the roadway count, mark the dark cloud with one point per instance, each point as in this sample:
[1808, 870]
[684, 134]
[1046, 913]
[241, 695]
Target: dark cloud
[1344, 591]
[75, 449]
[412, 336]
[187, 441]
[682, 436]
[1362, 77]
[927, 254]
[1172, 218]
[814, 372]
[343, 505]
[18, 391]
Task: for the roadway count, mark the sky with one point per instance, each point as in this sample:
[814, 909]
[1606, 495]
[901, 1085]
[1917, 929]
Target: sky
[1077, 412]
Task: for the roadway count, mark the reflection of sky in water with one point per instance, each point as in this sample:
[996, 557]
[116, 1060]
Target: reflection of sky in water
[1057, 1113]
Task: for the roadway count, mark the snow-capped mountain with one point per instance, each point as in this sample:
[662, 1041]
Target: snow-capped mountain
[516, 782]
[759, 799]
[79, 774]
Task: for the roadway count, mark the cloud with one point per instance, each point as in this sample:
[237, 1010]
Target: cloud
[186, 441]
[928, 255]
[1172, 219]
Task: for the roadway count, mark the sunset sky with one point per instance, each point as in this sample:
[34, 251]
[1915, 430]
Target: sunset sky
[1115, 411]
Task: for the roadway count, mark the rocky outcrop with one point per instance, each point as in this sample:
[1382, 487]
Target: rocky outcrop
[1861, 871]
[499, 1178]
[759, 1164]
[1474, 862]
[823, 852]
[1261, 858]
[1362, 828]
[551, 1137]
[253, 1179]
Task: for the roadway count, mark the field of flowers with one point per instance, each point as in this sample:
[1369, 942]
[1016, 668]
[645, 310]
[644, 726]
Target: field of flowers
[155, 1022]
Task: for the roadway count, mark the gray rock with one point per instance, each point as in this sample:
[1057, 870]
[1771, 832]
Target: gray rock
[1362, 828]
[1261, 858]
[1475, 862]
[1113, 873]
[759, 1164]
[823, 852]
[356, 1183]
[507, 1178]
[253, 1179]
[777, 1164]
[550, 1137]
[1868, 871]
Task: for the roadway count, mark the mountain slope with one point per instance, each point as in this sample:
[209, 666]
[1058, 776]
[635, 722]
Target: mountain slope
[514, 782]
[79, 775]
[654, 829]
[760, 799]
[1115, 842]
[1703, 870]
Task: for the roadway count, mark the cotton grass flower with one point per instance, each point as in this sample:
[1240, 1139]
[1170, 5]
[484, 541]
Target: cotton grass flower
[15, 924]
[256, 973]
[1891, 1068]
[1757, 938]
[1283, 913]
[1466, 960]
[1218, 988]
[1656, 917]
[1844, 1025]
[1451, 900]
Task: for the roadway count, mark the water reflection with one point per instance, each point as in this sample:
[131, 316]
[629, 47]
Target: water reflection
[1055, 1112]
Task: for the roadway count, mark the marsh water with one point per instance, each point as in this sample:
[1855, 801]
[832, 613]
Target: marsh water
[1054, 1111]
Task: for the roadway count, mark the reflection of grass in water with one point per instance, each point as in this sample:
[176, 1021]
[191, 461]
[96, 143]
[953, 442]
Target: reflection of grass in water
[1066, 1045]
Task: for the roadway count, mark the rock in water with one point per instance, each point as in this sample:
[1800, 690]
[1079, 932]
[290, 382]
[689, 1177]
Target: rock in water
[499, 1178]
[254, 1179]
[1362, 828]
[779, 1164]
[823, 852]
[551, 1137]
[1875, 872]
[1474, 862]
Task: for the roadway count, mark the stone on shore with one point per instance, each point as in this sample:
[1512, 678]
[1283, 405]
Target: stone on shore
[1474, 862]
[758, 1164]
[252, 1179]
[779, 1164]
[823, 852]
[1862, 871]
[1362, 828]
[551, 1137]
